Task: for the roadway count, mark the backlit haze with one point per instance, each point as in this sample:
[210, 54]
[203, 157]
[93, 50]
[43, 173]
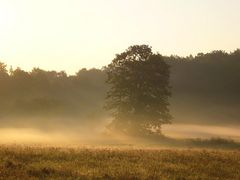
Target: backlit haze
[73, 34]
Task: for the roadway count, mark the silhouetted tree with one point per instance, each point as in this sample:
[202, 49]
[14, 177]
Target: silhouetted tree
[3, 71]
[4, 82]
[138, 96]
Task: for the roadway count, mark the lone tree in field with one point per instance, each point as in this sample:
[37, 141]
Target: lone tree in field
[139, 91]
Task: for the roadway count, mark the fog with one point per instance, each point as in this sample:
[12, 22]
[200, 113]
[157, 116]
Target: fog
[96, 137]
[201, 131]
[52, 107]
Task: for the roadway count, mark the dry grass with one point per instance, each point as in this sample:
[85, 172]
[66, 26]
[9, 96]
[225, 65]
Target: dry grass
[65, 163]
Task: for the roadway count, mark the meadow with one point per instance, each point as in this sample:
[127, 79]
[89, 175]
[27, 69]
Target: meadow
[29, 162]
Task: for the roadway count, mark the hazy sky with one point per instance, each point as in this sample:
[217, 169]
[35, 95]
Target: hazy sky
[72, 34]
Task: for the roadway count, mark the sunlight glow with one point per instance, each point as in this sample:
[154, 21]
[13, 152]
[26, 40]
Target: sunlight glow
[72, 34]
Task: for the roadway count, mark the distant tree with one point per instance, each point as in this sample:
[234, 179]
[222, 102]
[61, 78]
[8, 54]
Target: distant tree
[139, 91]
[4, 83]
[3, 71]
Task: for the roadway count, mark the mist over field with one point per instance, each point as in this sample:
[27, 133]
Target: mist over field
[119, 89]
[50, 106]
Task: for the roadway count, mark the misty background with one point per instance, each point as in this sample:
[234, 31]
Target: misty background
[205, 91]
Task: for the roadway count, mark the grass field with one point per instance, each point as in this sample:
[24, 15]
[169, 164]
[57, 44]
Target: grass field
[22, 162]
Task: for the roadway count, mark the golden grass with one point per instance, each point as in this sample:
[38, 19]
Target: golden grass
[22, 162]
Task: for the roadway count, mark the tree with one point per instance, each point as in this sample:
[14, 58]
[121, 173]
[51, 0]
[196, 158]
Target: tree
[3, 71]
[4, 84]
[139, 91]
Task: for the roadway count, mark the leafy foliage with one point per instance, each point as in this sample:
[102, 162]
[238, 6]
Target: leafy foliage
[139, 91]
[45, 95]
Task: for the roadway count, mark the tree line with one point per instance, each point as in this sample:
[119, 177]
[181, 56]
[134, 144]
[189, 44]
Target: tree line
[51, 94]
[205, 89]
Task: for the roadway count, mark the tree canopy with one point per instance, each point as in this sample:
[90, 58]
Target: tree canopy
[139, 91]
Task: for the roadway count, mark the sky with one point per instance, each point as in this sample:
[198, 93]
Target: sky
[73, 34]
